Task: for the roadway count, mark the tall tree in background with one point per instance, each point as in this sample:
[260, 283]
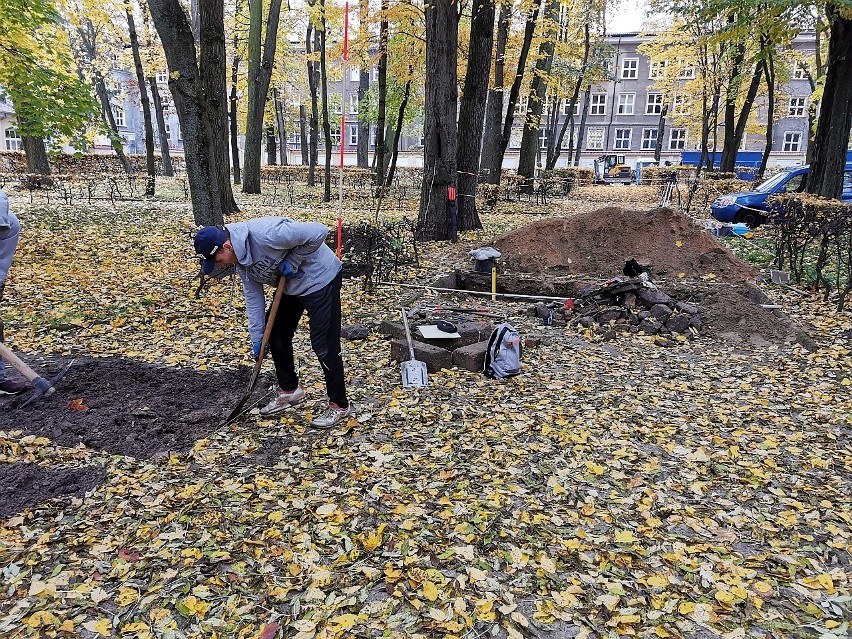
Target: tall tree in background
[439, 155]
[326, 123]
[150, 163]
[381, 146]
[153, 63]
[494, 104]
[497, 138]
[311, 45]
[363, 82]
[259, 75]
[37, 73]
[530, 144]
[835, 116]
[233, 100]
[472, 110]
[172, 24]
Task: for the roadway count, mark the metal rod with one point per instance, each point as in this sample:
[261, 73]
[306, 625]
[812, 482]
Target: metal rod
[461, 290]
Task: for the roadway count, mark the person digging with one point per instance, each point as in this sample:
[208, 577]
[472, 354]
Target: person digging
[9, 232]
[263, 250]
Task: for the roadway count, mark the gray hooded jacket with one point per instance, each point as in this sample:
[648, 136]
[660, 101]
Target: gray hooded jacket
[9, 230]
[261, 244]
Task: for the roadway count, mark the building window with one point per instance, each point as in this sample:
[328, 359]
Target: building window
[681, 104]
[622, 139]
[595, 139]
[677, 139]
[168, 132]
[521, 106]
[119, 116]
[162, 77]
[13, 140]
[353, 103]
[649, 139]
[625, 103]
[630, 68]
[598, 106]
[687, 73]
[654, 104]
[797, 107]
[657, 70]
[542, 139]
[294, 137]
[373, 136]
[353, 134]
[376, 74]
[335, 136]
[355, 75]
[799, 68]
[566, 103]
[792, 141]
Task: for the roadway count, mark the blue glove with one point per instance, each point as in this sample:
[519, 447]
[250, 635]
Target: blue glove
[255, 348]
[286, 269]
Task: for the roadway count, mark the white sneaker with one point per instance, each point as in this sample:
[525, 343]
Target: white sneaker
[331, 416]
[282, 401]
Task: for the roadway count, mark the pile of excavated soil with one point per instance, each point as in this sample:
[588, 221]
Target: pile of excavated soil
[599, 242]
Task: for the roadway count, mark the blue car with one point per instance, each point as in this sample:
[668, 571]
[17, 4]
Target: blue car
[749, 207]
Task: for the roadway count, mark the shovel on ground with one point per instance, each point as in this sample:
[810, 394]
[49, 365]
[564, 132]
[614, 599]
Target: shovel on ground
[276, 302]
[413, 371]
[43, 387]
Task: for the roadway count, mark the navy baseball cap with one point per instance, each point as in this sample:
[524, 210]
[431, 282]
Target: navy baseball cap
[207, 241]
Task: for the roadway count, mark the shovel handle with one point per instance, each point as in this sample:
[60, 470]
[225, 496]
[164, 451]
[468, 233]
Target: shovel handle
[267, 331]
[7, 354]
[407, 333]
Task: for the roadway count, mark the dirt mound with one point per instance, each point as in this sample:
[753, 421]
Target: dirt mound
[598, 243]
[25, 485]
[128, 407]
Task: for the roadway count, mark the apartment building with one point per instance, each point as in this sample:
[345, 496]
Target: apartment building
[623, 116]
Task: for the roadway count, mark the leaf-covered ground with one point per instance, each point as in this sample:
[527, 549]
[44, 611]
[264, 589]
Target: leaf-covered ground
[615, 489]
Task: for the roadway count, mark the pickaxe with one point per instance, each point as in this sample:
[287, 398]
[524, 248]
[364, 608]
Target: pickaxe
[42, 386]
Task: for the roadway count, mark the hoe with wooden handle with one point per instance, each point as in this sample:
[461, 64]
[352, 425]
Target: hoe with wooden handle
[42, 386]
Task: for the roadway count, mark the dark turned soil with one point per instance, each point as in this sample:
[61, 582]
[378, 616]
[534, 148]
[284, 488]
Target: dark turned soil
[25, 485]
[126, 407]
[117, 405]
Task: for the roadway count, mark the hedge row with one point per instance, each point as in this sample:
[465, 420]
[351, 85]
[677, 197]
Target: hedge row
[814, 234]
[80, 165]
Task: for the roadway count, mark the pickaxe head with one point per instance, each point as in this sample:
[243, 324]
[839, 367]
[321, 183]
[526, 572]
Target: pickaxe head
[44, 387]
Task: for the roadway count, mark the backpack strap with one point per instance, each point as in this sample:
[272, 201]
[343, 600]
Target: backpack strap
[496, 338]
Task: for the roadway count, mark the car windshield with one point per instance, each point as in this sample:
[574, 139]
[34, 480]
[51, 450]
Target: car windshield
[771, 183]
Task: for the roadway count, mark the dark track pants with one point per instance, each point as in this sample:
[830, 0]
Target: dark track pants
[323, 307]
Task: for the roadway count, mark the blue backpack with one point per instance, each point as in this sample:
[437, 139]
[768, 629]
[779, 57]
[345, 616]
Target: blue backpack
[503, 356]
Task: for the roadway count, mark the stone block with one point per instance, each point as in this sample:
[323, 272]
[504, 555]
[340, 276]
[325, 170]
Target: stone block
[394, 329]
[471, 357]
[435, 357]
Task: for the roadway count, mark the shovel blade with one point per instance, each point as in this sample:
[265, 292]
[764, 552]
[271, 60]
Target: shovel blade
[414, 373]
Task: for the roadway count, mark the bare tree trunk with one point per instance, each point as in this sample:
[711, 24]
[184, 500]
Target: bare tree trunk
[234, 99]
[363, 148]
[303, 133]
[271, 146]
[259, 76]
[380, 150]
[212, 66]
[661, 133]
[530, 144]
[472, 112]
[441, 92]
[554, 149]
[282, 127]
[729, 149]
[36, 154]
[582, 129]
[769, 74]
[168, 169]
[312, 40]
[326, 124]
[179, 46]
[492, 159]
[398, 131]
[835, 117]
[150, 162]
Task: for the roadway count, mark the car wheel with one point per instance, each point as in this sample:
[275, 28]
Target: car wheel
[751, 219]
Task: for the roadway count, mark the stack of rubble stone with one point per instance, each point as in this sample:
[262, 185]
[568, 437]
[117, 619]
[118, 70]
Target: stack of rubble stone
[635, 305]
